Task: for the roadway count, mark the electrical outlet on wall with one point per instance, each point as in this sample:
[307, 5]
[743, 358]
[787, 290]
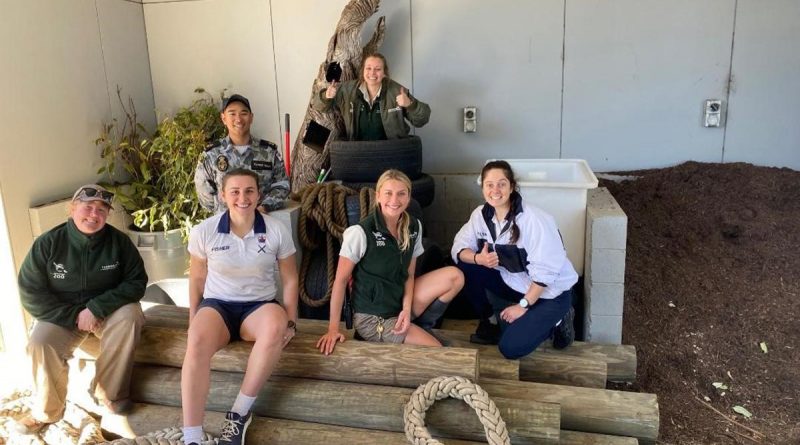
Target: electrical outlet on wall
[712, 113]
[470, 119]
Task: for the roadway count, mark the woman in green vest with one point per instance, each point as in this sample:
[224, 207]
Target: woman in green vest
[380, 254]
[373, 107]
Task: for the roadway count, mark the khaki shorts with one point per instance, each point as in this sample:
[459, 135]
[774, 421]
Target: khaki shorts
[368, 327]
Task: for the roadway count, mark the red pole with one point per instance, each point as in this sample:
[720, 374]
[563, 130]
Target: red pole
[287, 157]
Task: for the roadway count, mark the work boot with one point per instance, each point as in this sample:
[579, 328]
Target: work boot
[428, 318]
[564, 333]
[118, 407]
[487, 333]
[29, 425]
[235, 428]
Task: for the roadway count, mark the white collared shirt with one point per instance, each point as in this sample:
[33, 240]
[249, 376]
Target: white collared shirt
[241, 269]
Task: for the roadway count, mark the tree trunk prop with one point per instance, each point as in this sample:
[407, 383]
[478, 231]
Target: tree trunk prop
[344, 47]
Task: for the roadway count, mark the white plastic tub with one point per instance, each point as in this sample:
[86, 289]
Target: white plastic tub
[559, 187]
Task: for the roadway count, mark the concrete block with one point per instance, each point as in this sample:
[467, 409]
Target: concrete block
[606, 222]
[604, 298]
[604, 329]
[606, 266]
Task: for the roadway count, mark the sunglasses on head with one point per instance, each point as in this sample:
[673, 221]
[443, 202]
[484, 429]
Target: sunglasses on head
[91, 192]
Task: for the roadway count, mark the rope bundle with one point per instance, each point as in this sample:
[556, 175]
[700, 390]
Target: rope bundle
[167, 436]
[458, 388]
[323, 213]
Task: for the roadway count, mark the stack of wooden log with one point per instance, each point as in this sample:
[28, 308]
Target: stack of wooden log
[357, 394]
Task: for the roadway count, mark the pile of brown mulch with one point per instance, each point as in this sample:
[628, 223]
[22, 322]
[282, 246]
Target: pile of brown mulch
[712, 271]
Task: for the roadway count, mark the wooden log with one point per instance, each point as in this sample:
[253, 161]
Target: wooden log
[555, 369]
[352, 361]
[352, 405]
[588, 409]
[489, 365]
[147, 418]
[620, 359]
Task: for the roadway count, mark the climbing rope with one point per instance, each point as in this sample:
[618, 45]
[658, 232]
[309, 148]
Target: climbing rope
[458, 388]
[167, 436]
[323, 213]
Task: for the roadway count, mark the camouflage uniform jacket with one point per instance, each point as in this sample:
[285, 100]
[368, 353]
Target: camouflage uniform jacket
[261, 156]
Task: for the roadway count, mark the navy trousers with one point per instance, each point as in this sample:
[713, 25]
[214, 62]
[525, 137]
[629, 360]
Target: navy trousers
[489, 295]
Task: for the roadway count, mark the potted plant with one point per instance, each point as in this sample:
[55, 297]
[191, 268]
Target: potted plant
[152, 176]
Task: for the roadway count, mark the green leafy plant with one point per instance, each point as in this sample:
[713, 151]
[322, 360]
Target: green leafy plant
[153, 175]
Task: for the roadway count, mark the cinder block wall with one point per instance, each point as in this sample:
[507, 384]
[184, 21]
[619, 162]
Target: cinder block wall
[604, 279]
[456, 197]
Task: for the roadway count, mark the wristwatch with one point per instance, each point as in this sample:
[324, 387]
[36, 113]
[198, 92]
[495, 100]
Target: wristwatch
[524, 303]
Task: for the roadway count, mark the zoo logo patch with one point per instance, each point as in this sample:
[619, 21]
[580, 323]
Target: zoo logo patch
[222, 163]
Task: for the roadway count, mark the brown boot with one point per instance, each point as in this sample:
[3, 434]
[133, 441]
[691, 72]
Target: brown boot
[29, 425]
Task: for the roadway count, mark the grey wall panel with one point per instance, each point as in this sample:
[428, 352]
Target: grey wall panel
[635, 78]
[503, 57]
[764, 118]
[125, 58]
[214, 44]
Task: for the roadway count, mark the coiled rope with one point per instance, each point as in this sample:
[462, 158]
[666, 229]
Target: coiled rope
[167, 436]
[323, 213]
[458, 388]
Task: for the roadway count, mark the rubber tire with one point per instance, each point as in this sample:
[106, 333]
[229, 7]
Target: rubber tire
[365, 161]
[316, 282]
[422, 189]
[353, 205]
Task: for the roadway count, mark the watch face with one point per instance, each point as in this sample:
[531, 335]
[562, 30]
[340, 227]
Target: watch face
[523, 302]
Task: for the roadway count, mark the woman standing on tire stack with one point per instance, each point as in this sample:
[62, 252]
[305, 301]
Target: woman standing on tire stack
[374, 107]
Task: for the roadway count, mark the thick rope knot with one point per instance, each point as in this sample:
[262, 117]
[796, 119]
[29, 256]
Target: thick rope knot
[323, 219]
[458, 388]
[167, 436]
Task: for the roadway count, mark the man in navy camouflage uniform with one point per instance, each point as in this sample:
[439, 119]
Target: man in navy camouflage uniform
[240, 150]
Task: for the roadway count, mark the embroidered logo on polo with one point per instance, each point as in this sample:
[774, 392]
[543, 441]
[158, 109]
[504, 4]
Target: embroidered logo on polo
[380, 240]
[262, 243]
[220, 248]
[110, 266]
[260, 165]
[222, 163]
[60, 272]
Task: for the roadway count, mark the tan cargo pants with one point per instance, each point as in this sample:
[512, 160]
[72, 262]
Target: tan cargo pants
[50, 347]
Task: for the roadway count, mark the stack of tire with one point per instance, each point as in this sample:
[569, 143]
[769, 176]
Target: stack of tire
[359, 164]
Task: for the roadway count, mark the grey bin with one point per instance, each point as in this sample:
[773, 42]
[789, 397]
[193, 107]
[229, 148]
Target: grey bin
[164, 254]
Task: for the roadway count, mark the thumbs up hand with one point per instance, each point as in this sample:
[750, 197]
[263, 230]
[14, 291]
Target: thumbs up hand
[402, 99]
[486, 258]
[330, 92]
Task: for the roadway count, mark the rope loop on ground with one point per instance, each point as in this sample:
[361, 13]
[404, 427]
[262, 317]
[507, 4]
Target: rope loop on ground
[167, 436]
[458, 388]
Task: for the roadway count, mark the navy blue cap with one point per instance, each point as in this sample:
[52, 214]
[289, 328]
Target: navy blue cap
[236, 98]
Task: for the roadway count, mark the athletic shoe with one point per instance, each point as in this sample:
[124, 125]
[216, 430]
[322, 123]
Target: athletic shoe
[234, 428]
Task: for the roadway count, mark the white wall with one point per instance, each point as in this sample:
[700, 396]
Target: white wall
[635, 79]
[216, 45]
[765, 94]
[62, 60]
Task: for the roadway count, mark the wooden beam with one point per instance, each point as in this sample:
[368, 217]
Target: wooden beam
[147, 418]
[352, 405]
[587, 409]
[556, 369]
[352, 361]
[494, 366]
[620, 360]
